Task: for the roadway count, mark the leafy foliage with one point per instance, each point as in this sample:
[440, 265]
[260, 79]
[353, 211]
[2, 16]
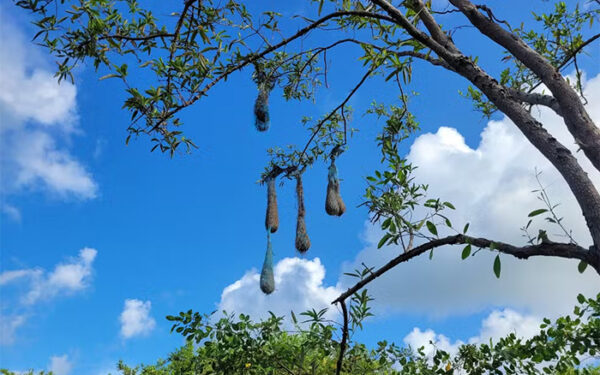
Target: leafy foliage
[239, 346]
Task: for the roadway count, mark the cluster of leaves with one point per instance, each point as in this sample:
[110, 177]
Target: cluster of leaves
[236, 345]
[391, 195]
[240, 346]
[209, 40]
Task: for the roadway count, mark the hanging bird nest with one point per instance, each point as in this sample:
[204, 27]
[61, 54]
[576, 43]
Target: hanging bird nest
[334, 205]
[265, 84]
[267, 279]
[262, 118]
[272, 216]
[302, 240]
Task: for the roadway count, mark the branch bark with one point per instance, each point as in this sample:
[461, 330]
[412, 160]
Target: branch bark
[536, 99]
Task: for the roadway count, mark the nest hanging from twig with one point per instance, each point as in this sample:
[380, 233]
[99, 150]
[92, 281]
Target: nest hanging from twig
[302, 239]
[272, 216]
[334, 205]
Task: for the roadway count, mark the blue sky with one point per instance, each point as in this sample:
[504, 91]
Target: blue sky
[99, 241]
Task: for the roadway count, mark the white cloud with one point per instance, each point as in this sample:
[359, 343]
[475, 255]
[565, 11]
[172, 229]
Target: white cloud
[8, 327]
[298, 287]
[491, 187]
[42, 164]
[37, 116]
[11, 211]
[72, 276]
[430, 341]
[60, 365]
[10, 276]
[135, 318]
[34, 285]
[498, 324]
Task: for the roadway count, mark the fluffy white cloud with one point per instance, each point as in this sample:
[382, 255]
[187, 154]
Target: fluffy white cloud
[135, 318]
[498, 324]
[66, 278]
[491, 187]
[430, 341]
[41, 163]
[71, 276]
[298, 287]
[60, 365]
[38, 114]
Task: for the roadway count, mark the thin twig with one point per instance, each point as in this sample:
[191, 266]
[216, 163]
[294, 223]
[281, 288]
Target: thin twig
[320, 124]
[343, 343]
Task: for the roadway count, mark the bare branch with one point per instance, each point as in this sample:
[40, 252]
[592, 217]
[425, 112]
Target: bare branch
[341, 105]
[536, 99]
[562, 250]
[136, 38]
[338, 367]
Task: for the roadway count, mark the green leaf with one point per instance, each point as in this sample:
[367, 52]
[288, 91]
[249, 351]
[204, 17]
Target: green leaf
[449, 205]
[582, 266]
[497, 266]
[466, 252]
[431, 254]
[537, 212]
[383, 240]
[580, 298]
[466, 228]
[109, 76]
[431, 227]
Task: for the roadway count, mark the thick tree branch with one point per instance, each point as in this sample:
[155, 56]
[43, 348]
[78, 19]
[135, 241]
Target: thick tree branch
[580, 125]
[536, 99]
[432, 26]
[561, 250]
[561, 158]
[412, 30]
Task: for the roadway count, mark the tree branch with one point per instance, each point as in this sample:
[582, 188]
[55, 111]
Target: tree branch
[343, 343]
[432, 26]
[341, 105]
[412, 30]
[580, 125]
[561, 250]
[255, 57]
[536, 99]
[136, 38]
[561, 158]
